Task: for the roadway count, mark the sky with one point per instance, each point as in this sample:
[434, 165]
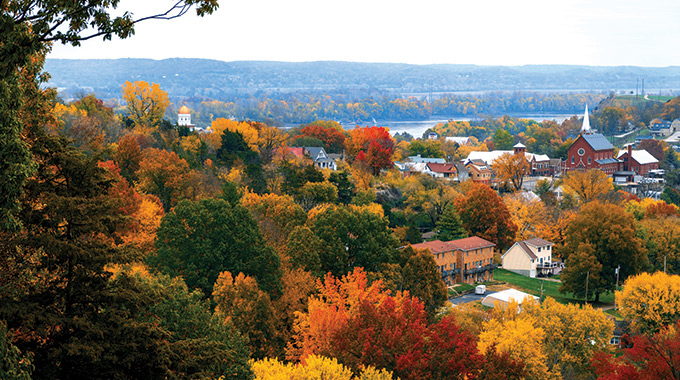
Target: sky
[481, 32]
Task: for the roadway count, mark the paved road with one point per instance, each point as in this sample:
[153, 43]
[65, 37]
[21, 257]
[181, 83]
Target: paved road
[469, 298]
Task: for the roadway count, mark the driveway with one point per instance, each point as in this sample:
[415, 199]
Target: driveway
[472, 297]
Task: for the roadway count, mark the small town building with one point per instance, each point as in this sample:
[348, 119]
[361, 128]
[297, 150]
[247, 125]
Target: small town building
[441, 170]
[184, 118]
[664, 128]
[639, 162]
[318, 156]
[466, 260]
[478, 171]
[460, 140]
[530, 258]
[591, 151]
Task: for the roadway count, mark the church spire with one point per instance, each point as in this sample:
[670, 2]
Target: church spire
[586, 122]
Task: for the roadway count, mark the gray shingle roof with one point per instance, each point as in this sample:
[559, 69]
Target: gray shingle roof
[597, 141]
[605, 161]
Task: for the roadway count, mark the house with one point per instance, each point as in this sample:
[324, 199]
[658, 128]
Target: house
[441, 170]
[591, 151]
[503, 298]
[460, 140]
[478, 171]
[638, 161]
[467, 260]
[432, 135]
[530, 258]
[664, 127]
[423, 160]
[318, 156]
[539, 163]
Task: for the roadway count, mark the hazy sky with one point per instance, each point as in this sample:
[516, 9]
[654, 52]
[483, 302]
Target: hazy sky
[482, 32]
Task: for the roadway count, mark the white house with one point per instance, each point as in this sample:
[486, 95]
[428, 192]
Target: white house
[530, 257]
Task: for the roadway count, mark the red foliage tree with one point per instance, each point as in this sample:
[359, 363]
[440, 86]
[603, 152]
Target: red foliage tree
[484, 214]
[333, 139]
[371, 146]
[652, 357]
[661, 209]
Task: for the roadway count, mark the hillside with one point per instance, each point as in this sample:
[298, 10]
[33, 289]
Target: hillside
[217, 79]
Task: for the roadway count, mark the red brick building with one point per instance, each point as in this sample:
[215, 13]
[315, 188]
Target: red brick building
[592, 151]
[640, 163]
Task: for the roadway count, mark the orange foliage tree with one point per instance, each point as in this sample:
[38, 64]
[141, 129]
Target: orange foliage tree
[163, 174]
[333, 139]
[362, 325]
[371, 146]
[484, 214]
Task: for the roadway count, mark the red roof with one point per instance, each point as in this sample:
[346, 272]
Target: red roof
[442, 168]
[468, 244]
[298, 152]
[435, 246]
[465, 244]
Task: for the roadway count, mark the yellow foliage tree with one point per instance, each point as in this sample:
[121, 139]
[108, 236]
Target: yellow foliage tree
[651, 301]
[146, 104]
[530, 215]
[520, 338]
[313, 368]
[511, 169]
[587, 185]
[662, 239]
[219, 125]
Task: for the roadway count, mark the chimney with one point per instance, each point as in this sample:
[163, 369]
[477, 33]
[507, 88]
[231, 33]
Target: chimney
[630, 157]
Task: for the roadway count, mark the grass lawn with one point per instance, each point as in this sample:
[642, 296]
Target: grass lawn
[550, 288]
[460, 288]
[614, 314]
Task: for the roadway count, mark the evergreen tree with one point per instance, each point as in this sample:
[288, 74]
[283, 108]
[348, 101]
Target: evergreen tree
[449, 226]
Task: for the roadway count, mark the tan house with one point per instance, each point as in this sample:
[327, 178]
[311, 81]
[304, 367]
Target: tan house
[467, 260]
[530, 258]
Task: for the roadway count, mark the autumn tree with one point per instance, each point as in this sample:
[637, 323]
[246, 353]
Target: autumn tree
[371, 146]
[531, 216]
[587, 185]
[241, 301]
[646, 357]
[198, 240]
[146, 104]
[14, 365]
[511, 169]
[662, 240]
[361, 325]
[484, 214]
[331, 136]
[277, 215]
[650, 301]
[314, 368]
[163, 174]
[128, 156]
[601, 237]
[449, 226]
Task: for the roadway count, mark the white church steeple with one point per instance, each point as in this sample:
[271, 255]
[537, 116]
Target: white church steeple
[585, 129]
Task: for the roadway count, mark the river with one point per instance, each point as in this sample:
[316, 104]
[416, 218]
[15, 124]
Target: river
[416, 128]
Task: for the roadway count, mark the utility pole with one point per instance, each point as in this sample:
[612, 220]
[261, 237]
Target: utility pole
[587, 275]
[617, 276]
[542, 288]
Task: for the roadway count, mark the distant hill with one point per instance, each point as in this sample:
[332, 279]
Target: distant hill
[218, 80]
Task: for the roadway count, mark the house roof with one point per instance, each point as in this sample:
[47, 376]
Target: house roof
[519, 145]
[459, 140]
[417, 159]
[298, 152]
[605, 161]
[526, 249]
[315, 151]
[597, 141]
[435, 246]
[470, 243]
[538, 242]
[641, 156]
[442, 168]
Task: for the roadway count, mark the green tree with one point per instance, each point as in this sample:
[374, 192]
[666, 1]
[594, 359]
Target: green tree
[502, 139]
[199, 240]
[449, 226]
[600, 238]
[304, 250]
[421, 277]
[352, 237]
[344, 185]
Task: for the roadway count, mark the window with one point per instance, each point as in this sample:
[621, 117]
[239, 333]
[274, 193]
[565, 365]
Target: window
[581, 151]
[572, 160]
[539, 249]
[588, 160]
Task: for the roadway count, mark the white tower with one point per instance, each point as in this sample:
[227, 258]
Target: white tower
[184, 117]
[585, 129]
